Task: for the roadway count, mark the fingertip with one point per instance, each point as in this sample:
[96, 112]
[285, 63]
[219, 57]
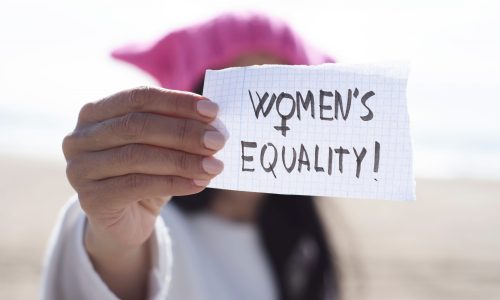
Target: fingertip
[213, 140]
[217, 124]
[201, 182]
[207, 108]
[212, 165]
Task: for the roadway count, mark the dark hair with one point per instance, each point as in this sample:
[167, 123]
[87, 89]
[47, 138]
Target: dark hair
[294, 240]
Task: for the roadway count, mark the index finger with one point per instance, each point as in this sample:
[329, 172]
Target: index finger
[152, 100]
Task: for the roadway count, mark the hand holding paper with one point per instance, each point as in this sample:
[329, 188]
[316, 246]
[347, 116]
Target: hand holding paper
[328, 130]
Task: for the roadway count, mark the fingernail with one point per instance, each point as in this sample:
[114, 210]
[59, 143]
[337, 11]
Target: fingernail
[217, 124]
[201, 182]
[212, 166]
[213, 140]
[207, 108]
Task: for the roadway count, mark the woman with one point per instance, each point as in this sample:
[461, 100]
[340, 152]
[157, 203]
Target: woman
[132, 151]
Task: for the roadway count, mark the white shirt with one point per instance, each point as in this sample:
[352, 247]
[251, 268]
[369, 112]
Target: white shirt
[198, 257]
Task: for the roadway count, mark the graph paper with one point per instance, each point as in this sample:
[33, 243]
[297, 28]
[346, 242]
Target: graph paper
[352, 139]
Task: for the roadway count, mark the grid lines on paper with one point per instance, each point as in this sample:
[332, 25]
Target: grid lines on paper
[389, 126]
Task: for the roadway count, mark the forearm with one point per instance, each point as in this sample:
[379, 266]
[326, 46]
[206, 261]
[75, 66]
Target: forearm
[124, 270]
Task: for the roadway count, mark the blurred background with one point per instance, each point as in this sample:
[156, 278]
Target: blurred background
[54, 57]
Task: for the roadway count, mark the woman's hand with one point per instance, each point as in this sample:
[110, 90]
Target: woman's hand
[128, 153]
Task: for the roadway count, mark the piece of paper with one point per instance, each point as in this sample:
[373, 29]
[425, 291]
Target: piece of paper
[330, 130]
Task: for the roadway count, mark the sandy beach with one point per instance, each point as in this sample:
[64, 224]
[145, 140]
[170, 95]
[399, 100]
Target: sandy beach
[446, 245]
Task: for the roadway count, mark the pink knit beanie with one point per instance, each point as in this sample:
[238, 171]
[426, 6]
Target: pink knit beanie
[179, 59]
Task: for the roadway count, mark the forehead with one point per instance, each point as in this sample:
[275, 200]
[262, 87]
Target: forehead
[256, 59]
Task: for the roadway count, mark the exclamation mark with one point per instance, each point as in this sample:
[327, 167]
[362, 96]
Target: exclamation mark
[377, 158]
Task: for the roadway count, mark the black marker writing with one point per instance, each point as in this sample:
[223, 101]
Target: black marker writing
[301, 161]
[332, 106]
[289, 169]
[260, 105]
[359, 159]
[365, 98]
[272, 165]
[244, 157]
[377, 157]
[304, 159]
[306, 104]
[322, 106]
[316, 154]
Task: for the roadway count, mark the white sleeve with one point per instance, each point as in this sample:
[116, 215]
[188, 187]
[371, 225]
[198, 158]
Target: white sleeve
[68, 272]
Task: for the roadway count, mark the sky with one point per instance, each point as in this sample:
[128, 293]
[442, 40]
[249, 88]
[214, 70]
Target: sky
[54, 57]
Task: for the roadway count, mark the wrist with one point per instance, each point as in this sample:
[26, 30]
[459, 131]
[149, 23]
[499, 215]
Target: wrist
[99, 243]
[124, 269]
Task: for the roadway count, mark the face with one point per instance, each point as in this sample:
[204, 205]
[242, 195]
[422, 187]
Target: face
[234, 205]
[257, 59]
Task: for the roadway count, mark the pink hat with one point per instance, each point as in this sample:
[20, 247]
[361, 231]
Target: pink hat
[179, 59]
